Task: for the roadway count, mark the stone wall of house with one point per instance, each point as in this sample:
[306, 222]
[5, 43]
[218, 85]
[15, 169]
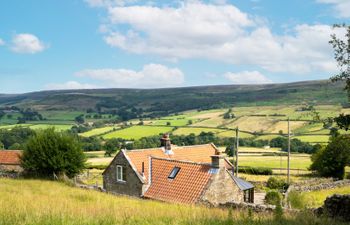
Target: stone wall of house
[132, 186]
[11, 168]
[221, 189]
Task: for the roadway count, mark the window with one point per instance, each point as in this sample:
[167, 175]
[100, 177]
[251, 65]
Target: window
[249, 196]
[121, 175]
[174, 172]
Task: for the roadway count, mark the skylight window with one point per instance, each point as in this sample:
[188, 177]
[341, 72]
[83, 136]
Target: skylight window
[174, 172]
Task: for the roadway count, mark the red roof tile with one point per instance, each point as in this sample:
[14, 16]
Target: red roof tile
[186, 187]
[195, 153]
[10, 157]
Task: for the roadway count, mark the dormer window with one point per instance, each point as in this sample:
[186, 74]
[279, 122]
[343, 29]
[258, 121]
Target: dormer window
[174, 172]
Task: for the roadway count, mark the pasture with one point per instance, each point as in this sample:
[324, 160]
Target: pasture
[137, 132]
[26, 202]
[98, 131]
[314, 199]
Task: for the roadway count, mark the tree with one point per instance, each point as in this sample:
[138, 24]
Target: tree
[49, 152]
[112, 146]
[331, 161]
[342, 56]
[80, 119]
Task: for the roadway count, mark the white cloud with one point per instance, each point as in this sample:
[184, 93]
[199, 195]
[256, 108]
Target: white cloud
[151, 76]
[341, 7]
[2, 42]
[247, 77]
[27, 43]
[219, 32]
[70, 85]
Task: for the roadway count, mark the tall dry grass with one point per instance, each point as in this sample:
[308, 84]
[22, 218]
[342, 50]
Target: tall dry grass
[37, 202]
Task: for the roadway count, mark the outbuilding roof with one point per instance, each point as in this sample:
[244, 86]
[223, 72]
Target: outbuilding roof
[10, 157]
[242, 184]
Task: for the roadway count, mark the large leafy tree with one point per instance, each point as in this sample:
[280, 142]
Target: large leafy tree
[341, 48]
[49, 152]
[331, 160]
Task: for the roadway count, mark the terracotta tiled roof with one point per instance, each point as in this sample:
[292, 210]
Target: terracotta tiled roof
[194, 153]
[10, 157]
[186, 187]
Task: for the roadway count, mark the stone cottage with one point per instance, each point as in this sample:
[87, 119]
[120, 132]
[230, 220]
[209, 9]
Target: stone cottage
[10, 161]
[197, 174]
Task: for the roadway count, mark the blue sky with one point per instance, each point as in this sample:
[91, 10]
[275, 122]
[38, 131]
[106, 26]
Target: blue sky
[73, 44]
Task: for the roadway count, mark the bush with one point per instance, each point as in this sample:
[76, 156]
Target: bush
[276, 183]
[256, 170]
[273, 198]
[49, 152]
[296, 200]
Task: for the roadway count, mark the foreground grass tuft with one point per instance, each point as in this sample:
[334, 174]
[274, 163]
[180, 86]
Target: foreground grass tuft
[37, 202]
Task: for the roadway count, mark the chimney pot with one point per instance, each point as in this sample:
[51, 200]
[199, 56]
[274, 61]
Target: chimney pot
[165, 142]
[218, 161]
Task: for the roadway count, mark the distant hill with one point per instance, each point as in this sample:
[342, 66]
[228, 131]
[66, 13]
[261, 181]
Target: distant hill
[168, 100]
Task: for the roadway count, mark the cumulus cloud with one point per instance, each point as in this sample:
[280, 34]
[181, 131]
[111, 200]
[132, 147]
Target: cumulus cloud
[70, 85]
[247, 77]
[194, 29]
[341, 7]
[151, 76]
[2, 42]
[27, 44]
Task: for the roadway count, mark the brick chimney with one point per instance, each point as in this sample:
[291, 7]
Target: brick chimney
[218, 160]
[166, 144]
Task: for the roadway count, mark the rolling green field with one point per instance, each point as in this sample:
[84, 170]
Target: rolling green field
[28, 205]
[196, 131]
[98, 131]
[298, 161]
[58, 127]
[259, 122]
[137, 132]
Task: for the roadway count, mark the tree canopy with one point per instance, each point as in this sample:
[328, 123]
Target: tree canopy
[49, 152]
[331, 160]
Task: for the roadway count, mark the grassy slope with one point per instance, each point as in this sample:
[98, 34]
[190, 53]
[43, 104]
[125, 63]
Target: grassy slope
[51, 203]
[180, 99]
[137, 132]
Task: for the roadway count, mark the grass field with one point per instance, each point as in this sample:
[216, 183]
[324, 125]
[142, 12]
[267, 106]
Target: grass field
[61, 115]
[58, 127]
[196, 131]
[137, 132]
[98, 131]
[29, 202]
[313, 138]
[315, 199]
[297, 161]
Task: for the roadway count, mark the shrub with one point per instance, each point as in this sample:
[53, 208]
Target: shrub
[49, 152]
[296, 200]
[256, 170]
[276, 183]
[273, 198]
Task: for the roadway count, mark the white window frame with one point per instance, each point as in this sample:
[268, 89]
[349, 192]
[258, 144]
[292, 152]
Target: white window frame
[120, 174]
